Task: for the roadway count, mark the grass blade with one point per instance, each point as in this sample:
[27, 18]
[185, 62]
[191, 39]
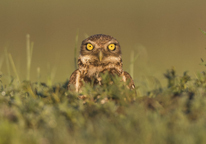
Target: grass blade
[13, 66]
[28, 48]
[75, 49]
[203, 31]
[1, 61]
[7, 65]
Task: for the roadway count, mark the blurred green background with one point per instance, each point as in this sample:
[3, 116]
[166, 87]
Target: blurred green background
[162, 33]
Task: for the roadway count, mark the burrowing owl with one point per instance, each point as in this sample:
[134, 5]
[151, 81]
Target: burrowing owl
[99, 54]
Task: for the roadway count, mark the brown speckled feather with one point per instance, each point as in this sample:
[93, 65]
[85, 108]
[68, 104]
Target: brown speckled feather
[126, 77]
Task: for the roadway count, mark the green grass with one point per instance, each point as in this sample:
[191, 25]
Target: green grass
[36, 113]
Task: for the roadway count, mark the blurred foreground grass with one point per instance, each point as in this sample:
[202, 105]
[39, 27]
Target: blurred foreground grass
[37, 113]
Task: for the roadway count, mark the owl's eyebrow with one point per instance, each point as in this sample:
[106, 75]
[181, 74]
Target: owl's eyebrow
[86, 42]
[112, 42]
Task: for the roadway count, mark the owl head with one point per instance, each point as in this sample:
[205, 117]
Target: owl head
[100, 49]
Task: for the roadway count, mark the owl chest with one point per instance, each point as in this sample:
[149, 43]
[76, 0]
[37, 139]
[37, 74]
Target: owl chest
[93, 73]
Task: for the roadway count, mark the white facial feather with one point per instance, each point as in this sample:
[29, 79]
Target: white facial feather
[85, 59]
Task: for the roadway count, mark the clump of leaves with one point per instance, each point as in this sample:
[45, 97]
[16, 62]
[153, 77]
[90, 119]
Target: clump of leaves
[178, 84]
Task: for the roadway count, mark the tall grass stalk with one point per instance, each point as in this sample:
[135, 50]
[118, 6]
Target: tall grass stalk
[1, 61]
[13, 66]
[38, 75]
[51, 75]
[133, 58]
[75, 49]
[7, 64]
[29, 48]
[132, 64]
[38, 78]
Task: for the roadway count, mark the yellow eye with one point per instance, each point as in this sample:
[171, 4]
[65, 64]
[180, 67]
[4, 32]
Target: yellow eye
[112, 47]
[89, 46]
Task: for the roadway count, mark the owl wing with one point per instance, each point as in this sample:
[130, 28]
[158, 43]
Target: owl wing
[126, 77]
[74, 81]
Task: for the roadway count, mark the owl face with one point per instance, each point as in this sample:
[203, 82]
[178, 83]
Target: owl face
[100, 49]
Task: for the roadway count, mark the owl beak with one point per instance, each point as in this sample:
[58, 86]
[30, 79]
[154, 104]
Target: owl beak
[100, 56]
